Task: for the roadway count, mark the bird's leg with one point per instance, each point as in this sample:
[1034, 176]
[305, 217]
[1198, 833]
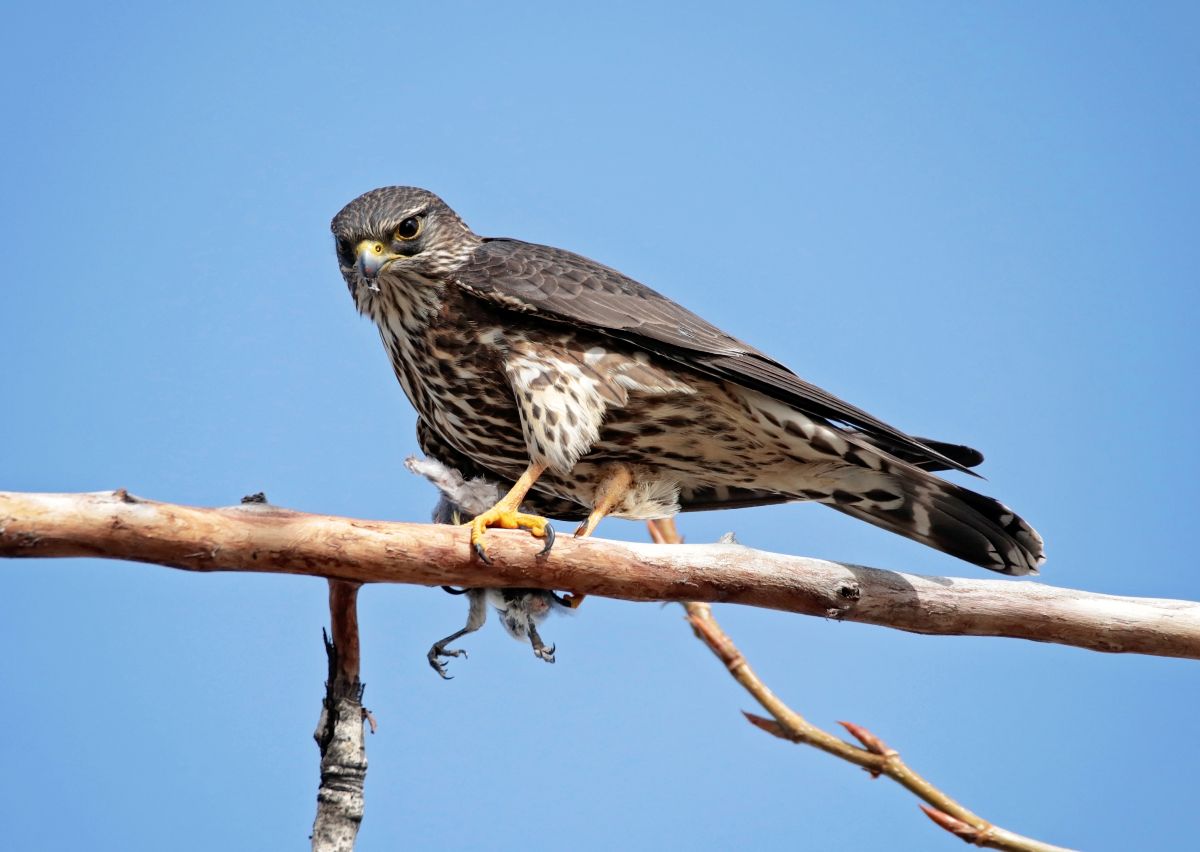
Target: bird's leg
[520, 611]
[505, 515]
[476, 616]
[664, 531]
[613, 487]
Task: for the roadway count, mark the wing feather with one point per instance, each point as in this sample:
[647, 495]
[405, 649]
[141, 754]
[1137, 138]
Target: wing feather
[557, 285]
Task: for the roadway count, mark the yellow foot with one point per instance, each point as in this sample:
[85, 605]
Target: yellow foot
[508, 520]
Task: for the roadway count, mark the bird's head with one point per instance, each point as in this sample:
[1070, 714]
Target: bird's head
[398, 233]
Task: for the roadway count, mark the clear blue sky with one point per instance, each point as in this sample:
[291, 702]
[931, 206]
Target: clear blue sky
[978, 223]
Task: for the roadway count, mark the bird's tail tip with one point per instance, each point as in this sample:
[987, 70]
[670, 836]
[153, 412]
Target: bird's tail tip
[946, 517]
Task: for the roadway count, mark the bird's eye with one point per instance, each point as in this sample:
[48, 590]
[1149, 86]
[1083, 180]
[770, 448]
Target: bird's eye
[408, 229]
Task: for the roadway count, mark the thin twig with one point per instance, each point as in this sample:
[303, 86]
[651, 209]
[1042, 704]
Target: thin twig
[266, 538]
[874, 756]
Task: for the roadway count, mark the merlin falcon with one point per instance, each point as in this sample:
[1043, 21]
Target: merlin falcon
[596, 395]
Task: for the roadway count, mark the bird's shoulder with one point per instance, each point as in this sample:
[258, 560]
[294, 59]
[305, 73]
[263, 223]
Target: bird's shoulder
[560, 285]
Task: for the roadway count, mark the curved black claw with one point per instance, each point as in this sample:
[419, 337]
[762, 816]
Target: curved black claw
[454, 591]
[440, 650]
[481, 553]
[545, 551]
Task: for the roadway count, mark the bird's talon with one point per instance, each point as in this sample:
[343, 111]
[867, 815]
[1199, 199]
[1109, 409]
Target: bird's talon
[549, 534]
[506, 519]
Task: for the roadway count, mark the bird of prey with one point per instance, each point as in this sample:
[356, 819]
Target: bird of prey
[585, 388]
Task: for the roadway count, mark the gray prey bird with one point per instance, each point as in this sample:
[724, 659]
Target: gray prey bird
[520, 610]
[568, 379]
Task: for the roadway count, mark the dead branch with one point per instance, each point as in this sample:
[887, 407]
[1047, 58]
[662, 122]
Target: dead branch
[265, 538]
[339, 732]
[874, 756]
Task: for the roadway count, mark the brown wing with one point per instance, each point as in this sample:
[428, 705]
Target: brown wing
[557, 285]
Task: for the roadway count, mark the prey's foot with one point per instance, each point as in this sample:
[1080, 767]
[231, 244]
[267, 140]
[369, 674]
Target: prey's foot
[539, 648]
[538, 527]
[437, 652]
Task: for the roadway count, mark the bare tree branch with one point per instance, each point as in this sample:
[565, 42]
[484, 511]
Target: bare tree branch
[874, 756]
[339, 732]
[268, 539]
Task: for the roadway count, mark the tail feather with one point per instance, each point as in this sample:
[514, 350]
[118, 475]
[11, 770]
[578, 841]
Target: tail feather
[904, 500]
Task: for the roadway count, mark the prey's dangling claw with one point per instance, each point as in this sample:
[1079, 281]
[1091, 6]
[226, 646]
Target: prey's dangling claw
[509, 520]
[539, 648]
[438, 651]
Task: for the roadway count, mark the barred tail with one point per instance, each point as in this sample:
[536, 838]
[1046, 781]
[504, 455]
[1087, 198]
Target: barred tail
[945, 516]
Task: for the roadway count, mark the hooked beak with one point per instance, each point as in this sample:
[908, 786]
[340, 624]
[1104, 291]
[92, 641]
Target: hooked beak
[372, 257]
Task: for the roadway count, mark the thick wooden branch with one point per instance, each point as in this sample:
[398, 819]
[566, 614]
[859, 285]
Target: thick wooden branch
[264, 538]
